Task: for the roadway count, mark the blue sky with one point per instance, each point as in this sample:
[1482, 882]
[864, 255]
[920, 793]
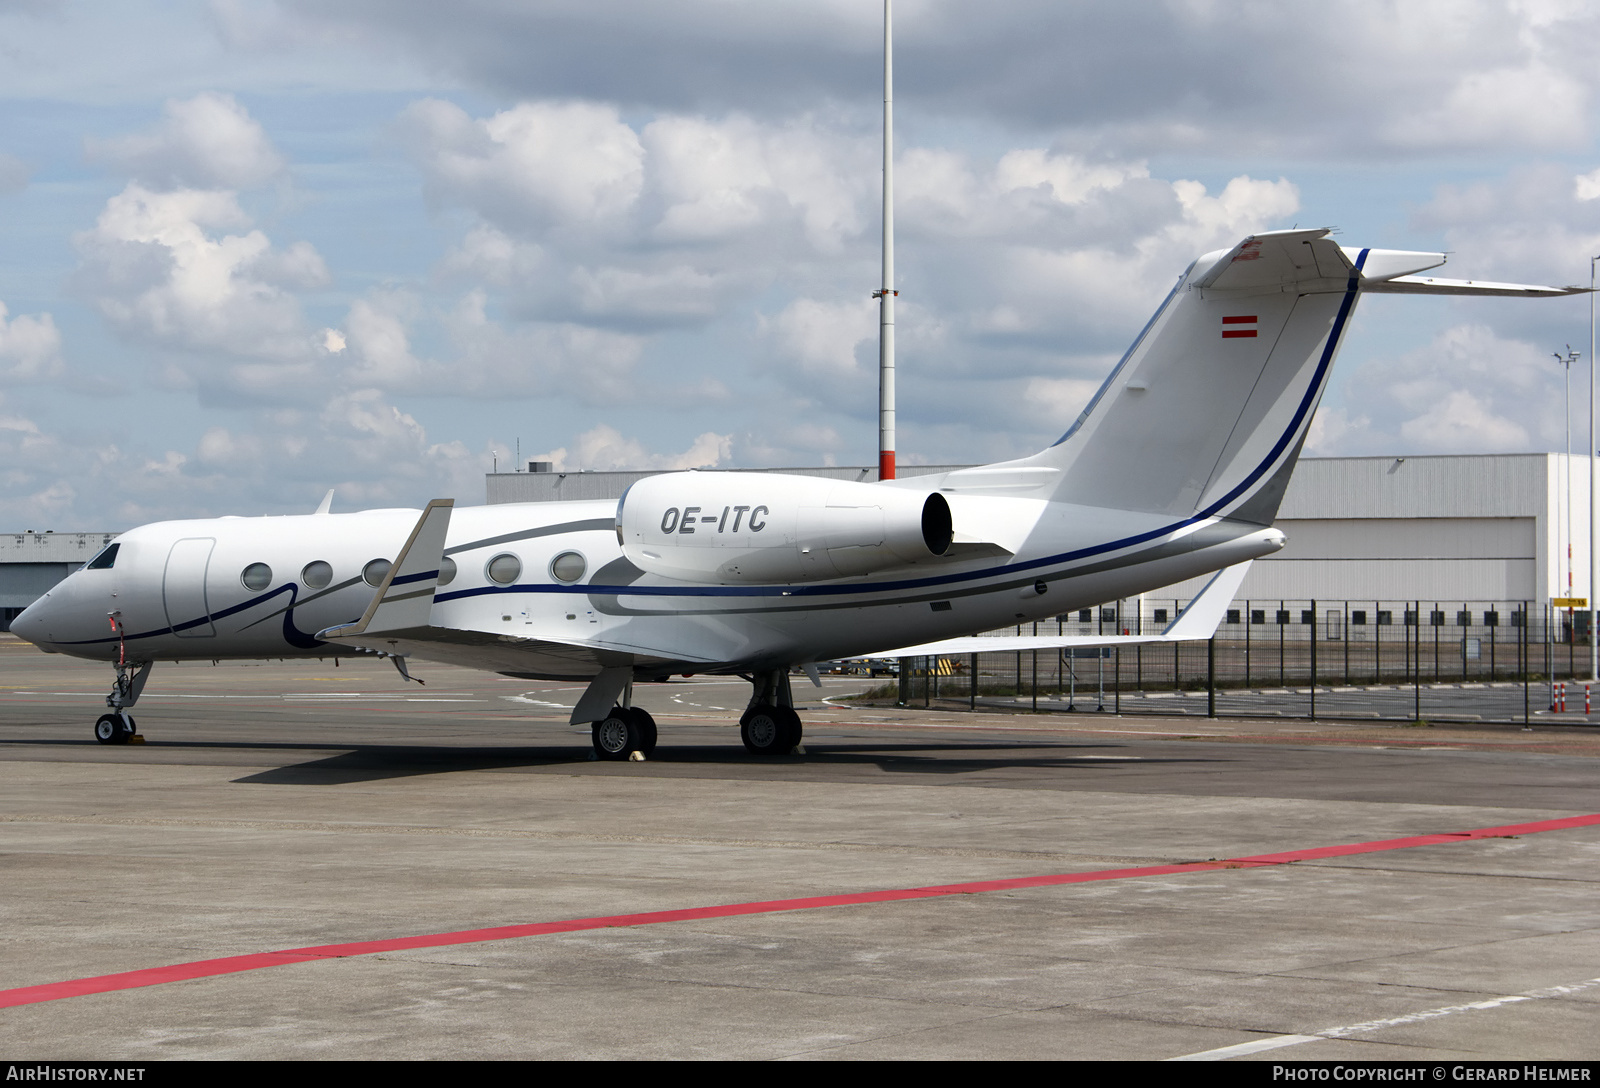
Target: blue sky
[254, 249]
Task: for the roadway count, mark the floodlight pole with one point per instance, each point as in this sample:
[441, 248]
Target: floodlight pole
[1566, 362]
[1594, 497]
[885, 295]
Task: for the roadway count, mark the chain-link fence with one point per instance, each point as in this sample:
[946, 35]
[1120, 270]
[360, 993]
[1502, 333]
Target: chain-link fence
[1415, 660]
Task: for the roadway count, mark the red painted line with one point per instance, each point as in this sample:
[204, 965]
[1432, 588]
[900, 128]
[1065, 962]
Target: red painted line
[1229, 333]
[230, 965]
[1241, 320]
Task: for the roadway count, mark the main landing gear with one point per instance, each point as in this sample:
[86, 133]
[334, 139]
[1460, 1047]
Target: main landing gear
[769, 726]
[626, 730]
[117, 727]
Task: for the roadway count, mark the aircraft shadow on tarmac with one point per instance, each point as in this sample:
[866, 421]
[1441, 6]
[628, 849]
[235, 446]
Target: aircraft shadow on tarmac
[377, 762]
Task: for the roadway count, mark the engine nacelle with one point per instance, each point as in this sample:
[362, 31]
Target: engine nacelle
[749, 527]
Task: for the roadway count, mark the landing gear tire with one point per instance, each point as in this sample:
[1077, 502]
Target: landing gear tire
[646, 726]
[770, 730]
[113, 729]
[624, 731]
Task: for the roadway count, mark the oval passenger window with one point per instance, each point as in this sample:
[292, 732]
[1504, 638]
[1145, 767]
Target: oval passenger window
[504, 569]
[316, 574]
[375, 572]
[257, 576]
[568, 567]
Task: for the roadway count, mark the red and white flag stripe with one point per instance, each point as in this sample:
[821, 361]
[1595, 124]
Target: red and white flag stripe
[1237, 321]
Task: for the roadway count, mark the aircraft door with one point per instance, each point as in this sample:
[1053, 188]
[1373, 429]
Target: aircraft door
[183, 588]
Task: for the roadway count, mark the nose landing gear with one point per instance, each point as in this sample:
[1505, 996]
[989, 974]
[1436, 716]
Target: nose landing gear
[117, 727]
[114, 729]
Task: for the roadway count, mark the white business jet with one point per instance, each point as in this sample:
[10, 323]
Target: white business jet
[1174, 470]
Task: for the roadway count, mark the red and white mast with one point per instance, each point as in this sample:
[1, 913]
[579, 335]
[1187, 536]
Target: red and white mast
[885, 295]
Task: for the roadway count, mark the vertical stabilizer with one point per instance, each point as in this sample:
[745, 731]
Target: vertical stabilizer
[1208, 410]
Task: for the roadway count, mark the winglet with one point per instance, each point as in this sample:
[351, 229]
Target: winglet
[1205, 611]
[327, 503]
[405, 597]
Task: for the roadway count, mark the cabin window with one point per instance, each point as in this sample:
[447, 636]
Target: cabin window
[504, 569]
[316, 574]
[568, 567]
[104, 561]
[375, 572]
[447, 571]
[256, 577]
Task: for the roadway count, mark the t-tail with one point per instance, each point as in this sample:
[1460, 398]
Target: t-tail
[1206, 413]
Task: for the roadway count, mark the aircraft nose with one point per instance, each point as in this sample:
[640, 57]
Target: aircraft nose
[31, 625]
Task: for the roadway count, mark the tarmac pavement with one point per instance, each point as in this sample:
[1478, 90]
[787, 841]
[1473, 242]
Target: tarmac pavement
[286, 805]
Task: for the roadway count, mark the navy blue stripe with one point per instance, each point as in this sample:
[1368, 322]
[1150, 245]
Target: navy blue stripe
[408, 578]
[1122, 362]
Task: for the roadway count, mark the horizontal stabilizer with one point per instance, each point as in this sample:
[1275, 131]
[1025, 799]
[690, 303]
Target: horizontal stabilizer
[1433, 285]
[1205, 611]
[1196, 623]
[405, 597]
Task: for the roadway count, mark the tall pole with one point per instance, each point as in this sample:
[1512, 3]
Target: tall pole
[1594, 497]
[885, 295]
[1566, 492]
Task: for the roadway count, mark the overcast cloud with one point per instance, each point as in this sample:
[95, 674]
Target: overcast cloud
[256, 249]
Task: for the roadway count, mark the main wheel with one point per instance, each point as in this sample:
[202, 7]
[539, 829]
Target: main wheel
[645, 729]
[113, 729]
[769, 730]
[617, 734]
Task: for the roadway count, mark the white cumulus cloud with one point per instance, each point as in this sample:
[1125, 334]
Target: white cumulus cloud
[206, 142]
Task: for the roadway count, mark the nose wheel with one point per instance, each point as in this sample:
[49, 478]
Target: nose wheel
[113, 729]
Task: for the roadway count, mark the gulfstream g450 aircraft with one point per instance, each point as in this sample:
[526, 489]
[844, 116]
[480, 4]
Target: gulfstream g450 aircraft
[1175, 469]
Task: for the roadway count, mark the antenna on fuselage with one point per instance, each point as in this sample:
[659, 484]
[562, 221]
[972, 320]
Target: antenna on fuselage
[886, 294]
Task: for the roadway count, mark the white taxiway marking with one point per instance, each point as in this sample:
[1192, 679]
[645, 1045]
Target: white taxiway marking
[1276, 1041]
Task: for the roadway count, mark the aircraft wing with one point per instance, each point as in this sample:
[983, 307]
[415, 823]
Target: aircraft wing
[396, 623]
[1197, 622]
[509, 654]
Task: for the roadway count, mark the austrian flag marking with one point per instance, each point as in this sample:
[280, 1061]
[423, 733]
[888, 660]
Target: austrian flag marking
[1237, 322]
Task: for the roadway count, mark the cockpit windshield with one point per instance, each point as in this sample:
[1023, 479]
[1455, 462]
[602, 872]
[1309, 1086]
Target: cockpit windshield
[105, 560]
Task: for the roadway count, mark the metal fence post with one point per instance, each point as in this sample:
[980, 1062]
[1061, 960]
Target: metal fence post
[1211, 677]
[1417, 676]
[1313, 658]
